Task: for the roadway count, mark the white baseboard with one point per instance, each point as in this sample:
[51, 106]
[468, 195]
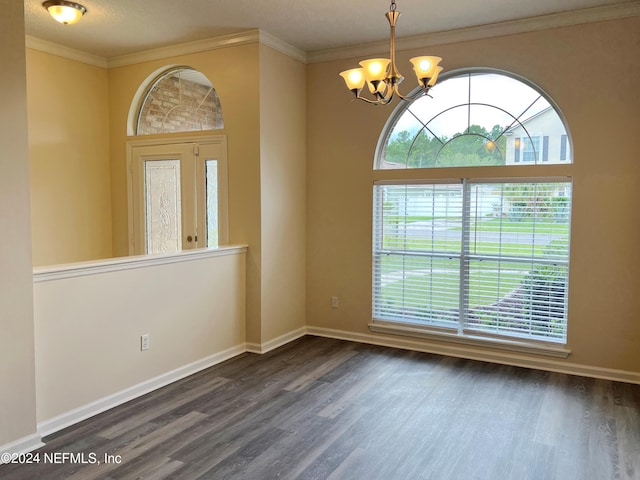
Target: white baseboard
[276, 342]
[480, 354]
[55, 424]
[72, 417]
[52, 425]
[24, 445]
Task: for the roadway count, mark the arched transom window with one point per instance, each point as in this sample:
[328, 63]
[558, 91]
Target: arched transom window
[472, 254]
[475, 119]
[180, 100]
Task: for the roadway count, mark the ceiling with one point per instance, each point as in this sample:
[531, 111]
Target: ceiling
[112, 28]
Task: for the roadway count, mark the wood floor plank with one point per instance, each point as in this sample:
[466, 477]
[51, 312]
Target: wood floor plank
[286, 460]
[138, 447]
[628, 431]
[149, 413]
[301, 381]
[320, 408]
[237, 464]
[354, 466]
[159, 469]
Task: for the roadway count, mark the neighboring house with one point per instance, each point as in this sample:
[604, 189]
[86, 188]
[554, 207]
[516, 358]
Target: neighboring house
[540, 138]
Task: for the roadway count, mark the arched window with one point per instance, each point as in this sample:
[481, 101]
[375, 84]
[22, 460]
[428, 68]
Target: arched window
[472, 254]
[181, 99]
[474, 119]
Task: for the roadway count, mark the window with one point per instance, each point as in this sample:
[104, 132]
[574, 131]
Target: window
[473, 258]
[481, 257]
[530, 149]
[181, 99]
[563, 147]
[474, 119]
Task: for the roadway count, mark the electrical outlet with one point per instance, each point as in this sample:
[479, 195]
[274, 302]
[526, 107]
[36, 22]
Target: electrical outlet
[335, 302]
[144, 342]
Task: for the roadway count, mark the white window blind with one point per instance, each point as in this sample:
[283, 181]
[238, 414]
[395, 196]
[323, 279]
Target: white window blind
[417, 253]
[480, 258]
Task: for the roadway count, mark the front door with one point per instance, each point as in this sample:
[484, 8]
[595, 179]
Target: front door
[179, 195]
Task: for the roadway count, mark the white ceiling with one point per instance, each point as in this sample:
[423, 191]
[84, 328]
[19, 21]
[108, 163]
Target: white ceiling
[117, 27]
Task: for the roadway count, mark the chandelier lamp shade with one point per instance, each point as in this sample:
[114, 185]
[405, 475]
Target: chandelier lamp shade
[65, 12]
[382, 75]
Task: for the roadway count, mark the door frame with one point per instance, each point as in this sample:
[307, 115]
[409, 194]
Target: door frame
[223, 195]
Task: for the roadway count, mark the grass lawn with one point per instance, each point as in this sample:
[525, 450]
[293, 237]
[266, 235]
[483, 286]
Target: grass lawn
[427, 283]
[438, 285]
[543, 225]
[487, 224]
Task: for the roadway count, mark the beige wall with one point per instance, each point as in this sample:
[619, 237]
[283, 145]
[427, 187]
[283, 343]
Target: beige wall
[283, 191]
[263, 102]
[88, 328]
[233, 72]
[592, 71]
[69, 156]
[17, 400]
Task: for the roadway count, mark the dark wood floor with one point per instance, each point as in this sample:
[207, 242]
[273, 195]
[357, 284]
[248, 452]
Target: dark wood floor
[326, 409]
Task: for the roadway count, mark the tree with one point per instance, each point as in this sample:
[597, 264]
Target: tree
[398, 149]
[539, 200]
[474, 146]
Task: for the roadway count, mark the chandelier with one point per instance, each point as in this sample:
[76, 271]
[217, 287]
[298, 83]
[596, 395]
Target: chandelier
[382, 76]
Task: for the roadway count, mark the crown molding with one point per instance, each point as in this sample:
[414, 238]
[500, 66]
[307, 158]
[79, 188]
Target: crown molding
[197, 46]
[65, 52]
[283, 47]
[242, 38]
[542, 22]
[235, 39]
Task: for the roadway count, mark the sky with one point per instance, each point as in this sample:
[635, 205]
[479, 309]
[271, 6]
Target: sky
[446, 110]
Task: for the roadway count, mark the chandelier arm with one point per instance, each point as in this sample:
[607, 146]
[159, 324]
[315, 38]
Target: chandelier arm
[379, 101]
[410, 98]
[380, 98]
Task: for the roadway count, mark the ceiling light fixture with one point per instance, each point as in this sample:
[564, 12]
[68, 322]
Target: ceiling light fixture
[382, 76]
[65, 12]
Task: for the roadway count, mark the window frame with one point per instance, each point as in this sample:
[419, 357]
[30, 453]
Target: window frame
[500, 173]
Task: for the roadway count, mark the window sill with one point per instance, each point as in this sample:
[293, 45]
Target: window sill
[521, 346]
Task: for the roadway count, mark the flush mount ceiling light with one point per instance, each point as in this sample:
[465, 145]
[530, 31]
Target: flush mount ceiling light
[65, 12]
[382, 76]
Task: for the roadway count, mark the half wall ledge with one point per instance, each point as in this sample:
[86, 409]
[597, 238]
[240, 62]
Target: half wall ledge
[56, 272]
